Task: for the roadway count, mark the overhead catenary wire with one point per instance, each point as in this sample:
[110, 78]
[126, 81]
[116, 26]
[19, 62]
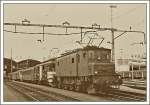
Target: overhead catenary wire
[61, 26]
[54, 26]
[41, 33]
[58, 26]
[112, 30]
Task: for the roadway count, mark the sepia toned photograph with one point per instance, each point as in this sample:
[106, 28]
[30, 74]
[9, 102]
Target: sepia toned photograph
[74, 52]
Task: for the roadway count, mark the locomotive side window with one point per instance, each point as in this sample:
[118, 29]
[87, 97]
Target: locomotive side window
[78, 58]
[84, 55]
[72, 60]
[91, 55]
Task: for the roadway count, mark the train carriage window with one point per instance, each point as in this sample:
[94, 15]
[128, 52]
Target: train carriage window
[108, 56]
[104, 56]
[53, 65]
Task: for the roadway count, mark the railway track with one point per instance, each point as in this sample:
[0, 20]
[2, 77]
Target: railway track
[42, 95]
[118, 95]
[38, 95]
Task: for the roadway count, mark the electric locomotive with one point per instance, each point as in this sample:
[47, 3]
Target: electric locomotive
[88, 70]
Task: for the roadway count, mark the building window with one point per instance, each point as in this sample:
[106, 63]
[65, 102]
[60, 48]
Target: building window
[72, 60]
[58, 63]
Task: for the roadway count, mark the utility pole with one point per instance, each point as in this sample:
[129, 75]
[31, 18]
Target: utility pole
[11, 61]
[112, 31]
[113, 46]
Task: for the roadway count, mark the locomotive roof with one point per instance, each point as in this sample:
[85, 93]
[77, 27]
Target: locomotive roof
[84, 49]
[94, 48]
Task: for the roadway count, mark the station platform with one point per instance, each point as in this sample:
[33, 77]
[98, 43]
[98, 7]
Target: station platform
[129, 89]
[83, 97]
[12, 95]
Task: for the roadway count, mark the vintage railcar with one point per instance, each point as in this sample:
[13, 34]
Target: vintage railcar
[15, 76]
[40, 74]
[44, 72]
[87, 69]
[28, 75]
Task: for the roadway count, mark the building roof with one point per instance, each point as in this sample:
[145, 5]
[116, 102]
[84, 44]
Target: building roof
[8, 60]
[28, 60]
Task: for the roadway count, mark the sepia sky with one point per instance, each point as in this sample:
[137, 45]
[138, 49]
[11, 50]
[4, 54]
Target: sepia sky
[26, 45]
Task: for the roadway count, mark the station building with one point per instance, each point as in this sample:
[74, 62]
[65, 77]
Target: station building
[27, 63]
[17, 65]
[132, 68]
[7, 66]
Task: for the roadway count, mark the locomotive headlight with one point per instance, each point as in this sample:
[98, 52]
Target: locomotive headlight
[96, 72]
[119, 77]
